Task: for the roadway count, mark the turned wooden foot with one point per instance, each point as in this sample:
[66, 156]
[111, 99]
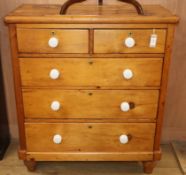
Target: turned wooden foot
[148, 166]
[30, 164]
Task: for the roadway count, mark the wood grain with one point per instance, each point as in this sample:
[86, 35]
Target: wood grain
[92, 26]
[36, 40]
[91, 56]
[174, 126]
[163, 91]
[103, 72]
[89, 137]
[89, 103]
[88, 156]
[17, 86]
[90, 14]
[93, 120]
[92, 103]
[112, 41]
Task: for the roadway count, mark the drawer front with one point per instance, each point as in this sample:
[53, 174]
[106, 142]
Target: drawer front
[113, 41]
[89, 137]
[44, 41]
[94, 72]
[122, 104]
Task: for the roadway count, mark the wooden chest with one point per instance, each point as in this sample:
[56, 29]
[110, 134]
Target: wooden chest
[90, 84]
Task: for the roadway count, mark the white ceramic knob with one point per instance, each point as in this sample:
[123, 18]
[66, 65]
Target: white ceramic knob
[54, 74]
[57, 139]
[53, 42]
[123, 139]
[127, 74]
[55, 105]
[125, 106]
[130, 42]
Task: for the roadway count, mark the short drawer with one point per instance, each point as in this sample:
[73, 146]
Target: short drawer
[113, 41]
[103, 72]
[90, 137]
[116, 104]
[52, 41]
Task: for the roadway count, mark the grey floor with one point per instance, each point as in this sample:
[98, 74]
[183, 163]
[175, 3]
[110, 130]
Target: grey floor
[12, 166]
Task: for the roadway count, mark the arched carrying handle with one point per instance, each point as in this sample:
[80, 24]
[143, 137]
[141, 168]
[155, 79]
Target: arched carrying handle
[135, 3]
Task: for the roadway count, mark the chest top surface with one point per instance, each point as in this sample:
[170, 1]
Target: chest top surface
[87, 13]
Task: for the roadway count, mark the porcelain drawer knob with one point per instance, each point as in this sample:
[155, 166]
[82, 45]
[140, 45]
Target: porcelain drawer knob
[55, 105]
[125, 106]
[123, 139]
[54, 74]
[127, 74]
[57, 139]
[130, 42]
[53, 42]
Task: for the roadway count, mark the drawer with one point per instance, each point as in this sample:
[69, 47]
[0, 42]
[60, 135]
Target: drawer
[103, 72]
[52, 41]
[117, 104]
[113, 41]
[89, 137]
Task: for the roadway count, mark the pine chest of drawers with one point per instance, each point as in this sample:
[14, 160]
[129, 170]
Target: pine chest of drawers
[90, 84]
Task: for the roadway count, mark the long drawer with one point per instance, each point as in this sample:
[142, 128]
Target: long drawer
[90, 137]
[52, 40]
[116, 104]
[115, 41]
[104, 72]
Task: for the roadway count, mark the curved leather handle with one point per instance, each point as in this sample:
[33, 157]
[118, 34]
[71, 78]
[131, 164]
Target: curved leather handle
[67, 4]
[135, 3]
